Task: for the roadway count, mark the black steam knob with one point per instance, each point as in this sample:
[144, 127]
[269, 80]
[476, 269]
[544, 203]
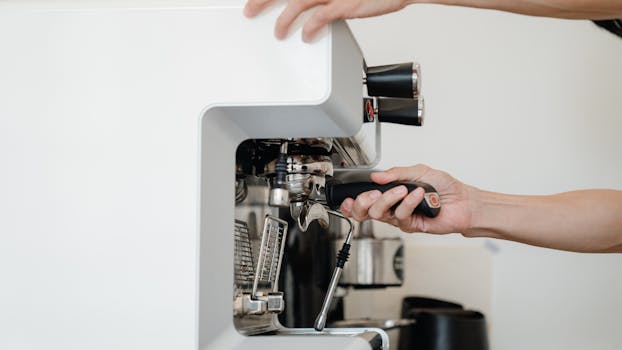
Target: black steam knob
[406, 111]
[395, 80]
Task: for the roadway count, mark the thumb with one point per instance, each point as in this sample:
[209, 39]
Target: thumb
[412, 173]
[389, 175]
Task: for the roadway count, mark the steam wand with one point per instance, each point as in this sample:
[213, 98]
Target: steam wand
[342, 257]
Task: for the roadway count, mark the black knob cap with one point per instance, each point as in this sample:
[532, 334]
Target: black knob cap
[395, 80]
[405, 111]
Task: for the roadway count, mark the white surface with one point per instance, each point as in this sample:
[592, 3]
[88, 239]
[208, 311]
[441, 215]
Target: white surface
[520, 105]
[100, 142]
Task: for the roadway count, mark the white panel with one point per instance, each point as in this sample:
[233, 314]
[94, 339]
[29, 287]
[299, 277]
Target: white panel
[99, 145]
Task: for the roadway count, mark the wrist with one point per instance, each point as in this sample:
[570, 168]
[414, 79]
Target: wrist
[482, 206]
[474, 205]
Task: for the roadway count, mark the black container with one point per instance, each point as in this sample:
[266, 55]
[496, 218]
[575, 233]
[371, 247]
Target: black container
[441, 325]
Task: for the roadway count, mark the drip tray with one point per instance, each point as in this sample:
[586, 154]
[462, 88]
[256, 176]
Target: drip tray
[376, 337]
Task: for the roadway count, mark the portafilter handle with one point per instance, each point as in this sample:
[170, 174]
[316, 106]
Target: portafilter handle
[336, 193]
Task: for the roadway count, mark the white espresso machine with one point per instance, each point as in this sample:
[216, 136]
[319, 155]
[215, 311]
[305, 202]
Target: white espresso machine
[125, 197]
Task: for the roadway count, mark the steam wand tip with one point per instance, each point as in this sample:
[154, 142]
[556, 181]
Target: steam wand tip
[320, 322]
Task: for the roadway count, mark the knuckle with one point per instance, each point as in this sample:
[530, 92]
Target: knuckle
[394, 196]
[297, 5]
[301, 5]
[320, 16]
[396, 170]
[375, 213]
[359, 209]
[401, 214]
[292, 9]
[409, 201]
[364, 199]
[357, 213]
[421, 168]
[359, 204]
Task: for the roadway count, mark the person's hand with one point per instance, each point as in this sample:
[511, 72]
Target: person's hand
[329, 11]
[456, 201]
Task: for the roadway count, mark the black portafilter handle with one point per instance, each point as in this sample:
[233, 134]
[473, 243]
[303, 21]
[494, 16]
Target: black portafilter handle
[337, 192]
[394, 80]
[405, 111]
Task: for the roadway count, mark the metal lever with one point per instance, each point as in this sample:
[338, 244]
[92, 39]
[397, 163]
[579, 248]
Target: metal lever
[342, 257]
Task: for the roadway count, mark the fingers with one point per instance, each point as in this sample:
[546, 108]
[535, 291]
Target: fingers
[253, 7]
[404, 212]
[374, 205]
[381, 209]
[346, 207]
[362, 204]
[291, 12]
[321, 18]
[294, 8]
[412, 173]
[334, 9]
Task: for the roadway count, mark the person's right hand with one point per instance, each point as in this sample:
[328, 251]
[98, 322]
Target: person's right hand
[457, 202]
[329, 11]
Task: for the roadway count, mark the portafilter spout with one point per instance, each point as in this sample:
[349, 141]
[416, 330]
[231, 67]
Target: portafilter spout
[308, 212]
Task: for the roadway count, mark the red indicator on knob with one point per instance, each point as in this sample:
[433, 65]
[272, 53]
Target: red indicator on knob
[433, 200]
[369, 109]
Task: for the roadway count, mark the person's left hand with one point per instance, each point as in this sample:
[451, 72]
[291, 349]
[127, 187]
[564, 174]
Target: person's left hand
[329, 11]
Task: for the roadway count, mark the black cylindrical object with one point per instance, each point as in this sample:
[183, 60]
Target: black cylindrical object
[336, 193]
[400, 110]
[440, 325]
[404, 111]
[394, 80]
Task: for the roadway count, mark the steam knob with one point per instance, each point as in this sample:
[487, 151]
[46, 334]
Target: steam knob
[406, 111]
[395, 80]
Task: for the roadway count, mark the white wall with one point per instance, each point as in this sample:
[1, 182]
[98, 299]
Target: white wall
[521, 105]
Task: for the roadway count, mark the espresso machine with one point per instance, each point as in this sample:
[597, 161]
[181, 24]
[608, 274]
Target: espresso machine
[161, 158]
[287, 195]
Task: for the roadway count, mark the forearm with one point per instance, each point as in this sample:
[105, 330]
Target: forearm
[584, 221]
[572, 9]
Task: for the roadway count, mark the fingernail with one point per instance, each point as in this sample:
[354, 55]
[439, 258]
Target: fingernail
[375, 194]
[400, 190]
